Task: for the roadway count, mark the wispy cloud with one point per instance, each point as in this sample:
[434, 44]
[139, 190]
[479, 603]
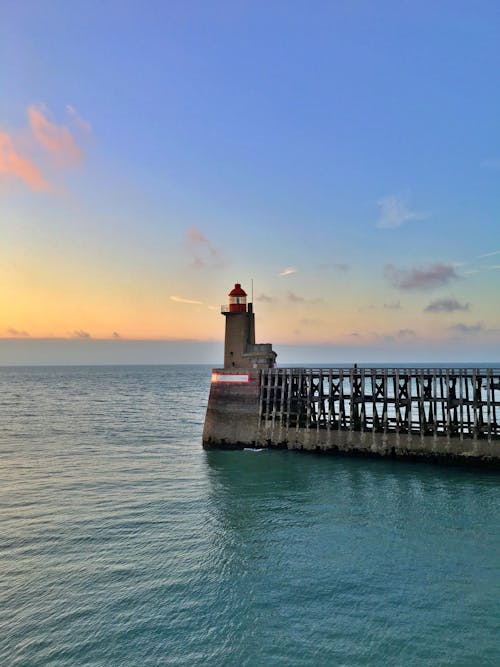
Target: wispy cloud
[195, 236]
[394, 212]
[465, 329]
[57, 140]
[265, 298]
[77, 121]
[396, 337]
[181, 299]
[288, 271]
[489, 254]
[80, 333]
[386, 306]
[204, 252]
[340, 266]
[295, 298]
[447, 305]
[420, 278]
[14, 164]
[406, 333]
[17, 333]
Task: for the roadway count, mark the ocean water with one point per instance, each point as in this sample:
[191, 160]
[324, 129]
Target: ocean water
[123, 543]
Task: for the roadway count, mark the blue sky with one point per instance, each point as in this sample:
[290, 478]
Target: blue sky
[179, 147]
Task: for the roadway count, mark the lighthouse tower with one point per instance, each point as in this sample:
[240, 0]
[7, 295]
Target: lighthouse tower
[240, 350]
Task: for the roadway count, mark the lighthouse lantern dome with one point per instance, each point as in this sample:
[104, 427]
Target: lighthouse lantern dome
[237, 300]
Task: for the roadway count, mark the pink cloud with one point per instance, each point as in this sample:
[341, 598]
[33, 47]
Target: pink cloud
[204, 252]
[13, 164]
[55, 139]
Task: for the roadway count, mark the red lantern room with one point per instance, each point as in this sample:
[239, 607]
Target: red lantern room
[237, 300]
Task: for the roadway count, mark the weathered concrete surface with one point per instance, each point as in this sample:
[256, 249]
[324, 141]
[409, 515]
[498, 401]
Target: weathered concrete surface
[379, 444]
[232, 418]
[240, 332]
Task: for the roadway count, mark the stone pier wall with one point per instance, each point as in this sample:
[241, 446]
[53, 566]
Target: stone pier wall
[446, 415]
[232, 418]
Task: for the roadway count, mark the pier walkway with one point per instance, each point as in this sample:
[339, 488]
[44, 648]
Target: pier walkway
[453, 402]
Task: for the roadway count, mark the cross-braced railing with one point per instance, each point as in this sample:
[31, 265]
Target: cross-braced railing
[460, 402]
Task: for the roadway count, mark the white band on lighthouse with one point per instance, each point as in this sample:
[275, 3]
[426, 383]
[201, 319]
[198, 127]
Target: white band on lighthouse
[230, 377]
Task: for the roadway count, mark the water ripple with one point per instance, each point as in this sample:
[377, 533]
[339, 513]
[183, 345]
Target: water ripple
[123, 543]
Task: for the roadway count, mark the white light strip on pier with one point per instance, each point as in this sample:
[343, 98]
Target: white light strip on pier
[230, 377]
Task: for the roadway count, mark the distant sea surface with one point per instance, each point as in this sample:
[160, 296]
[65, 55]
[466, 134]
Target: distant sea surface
[123, 543]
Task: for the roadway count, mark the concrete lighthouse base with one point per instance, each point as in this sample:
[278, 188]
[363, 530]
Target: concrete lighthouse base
[232, 419]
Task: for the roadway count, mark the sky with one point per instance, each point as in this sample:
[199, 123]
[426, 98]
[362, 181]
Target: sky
[343, 156]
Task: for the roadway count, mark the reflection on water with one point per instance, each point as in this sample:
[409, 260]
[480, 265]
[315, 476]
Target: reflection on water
[123, 543]
[356, 560]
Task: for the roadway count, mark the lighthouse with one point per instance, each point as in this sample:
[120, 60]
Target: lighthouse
[233, 403]
[237, 300]
[240, 349]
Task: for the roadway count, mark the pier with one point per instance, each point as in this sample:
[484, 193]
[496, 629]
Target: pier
[462, 402]
[445, 414]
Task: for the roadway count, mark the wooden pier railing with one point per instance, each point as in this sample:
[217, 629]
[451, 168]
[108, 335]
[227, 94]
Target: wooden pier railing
[460, 402]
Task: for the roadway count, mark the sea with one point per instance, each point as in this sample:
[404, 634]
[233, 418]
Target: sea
[122, 542]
